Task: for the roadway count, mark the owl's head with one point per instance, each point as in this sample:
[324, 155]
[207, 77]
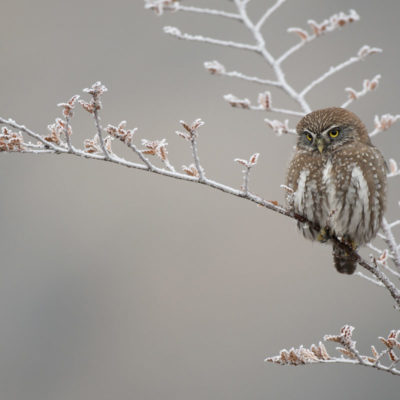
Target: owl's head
[327, 129]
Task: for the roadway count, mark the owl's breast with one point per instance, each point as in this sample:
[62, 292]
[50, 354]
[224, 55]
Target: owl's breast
[333, 192]
[349, 197]
[305, 178]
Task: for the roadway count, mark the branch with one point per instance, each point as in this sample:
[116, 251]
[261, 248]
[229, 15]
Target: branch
[349, 353]
[93, 107]
[279, 127]
[383, 123]
[169, 5]
[259, 48]
[268, 13]
[368, 278]
[328, 25]
[362, 53]
[68, 113]
[264, 104]
[368, 86]
[246, 172]
[173, 31]
[216, 68]
[262, 49]
[334, 22]
[209, 11]
[391, 243]
[12, 142]
[191, 135]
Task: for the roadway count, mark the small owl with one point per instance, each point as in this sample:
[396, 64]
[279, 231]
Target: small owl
[338, 179]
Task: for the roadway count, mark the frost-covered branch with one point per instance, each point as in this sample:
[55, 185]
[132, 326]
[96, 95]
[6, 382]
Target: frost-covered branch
[368, 86]
[391, 242]
[171, 30]
[56, 142]
[209, 11]
[267, 14]
[362, 53]
[336, 21]
[260, 47]
[263, 50]
[216, 68]
[368, 278]
[383, 123]
[264, 104]
[191, 135]
[159, 6]
[280, 127]
[385, 360]
[248, 165]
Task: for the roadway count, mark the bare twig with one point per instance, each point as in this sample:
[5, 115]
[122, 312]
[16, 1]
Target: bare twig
[169, 5]
[264, 104]
[391, 243]
[368, 278]
[267, 14]
[368, 86]
[170, 30]
[216, 68]
[248, 164]
[362, 53]
[209, 11]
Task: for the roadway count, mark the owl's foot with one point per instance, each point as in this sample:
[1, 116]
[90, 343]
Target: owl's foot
[323, 235]
[350, 243]
[353, 245]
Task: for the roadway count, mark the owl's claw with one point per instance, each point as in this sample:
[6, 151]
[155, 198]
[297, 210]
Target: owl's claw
[352, 244]
[323, 235]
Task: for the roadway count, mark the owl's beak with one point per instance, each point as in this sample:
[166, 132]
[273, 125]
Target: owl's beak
[320, 144]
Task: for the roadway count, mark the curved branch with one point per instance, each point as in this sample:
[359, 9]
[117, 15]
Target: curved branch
[200, 178]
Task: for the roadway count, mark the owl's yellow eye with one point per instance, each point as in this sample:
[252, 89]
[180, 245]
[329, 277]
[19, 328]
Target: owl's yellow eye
[334, 133]
[309, 137]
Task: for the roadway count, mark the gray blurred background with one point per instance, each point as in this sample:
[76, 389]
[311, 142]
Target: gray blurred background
[116, 284]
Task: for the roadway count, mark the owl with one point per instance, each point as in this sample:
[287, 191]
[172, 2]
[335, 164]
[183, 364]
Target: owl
[337, 180]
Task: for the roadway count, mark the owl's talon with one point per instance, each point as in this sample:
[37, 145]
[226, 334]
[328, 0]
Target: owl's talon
[352, 244]
[323, 235]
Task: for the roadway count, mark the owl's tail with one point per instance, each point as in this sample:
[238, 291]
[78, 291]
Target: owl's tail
[344, 262]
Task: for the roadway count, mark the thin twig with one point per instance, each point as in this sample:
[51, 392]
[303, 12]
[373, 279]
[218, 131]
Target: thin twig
[278, 110]
[67, 137]
[293, 49]
[209, 11]
[255, 79]
[268, 13]
[196, 159]
[149, 165]
[170, 30]
[99, 132]
[391, 243]
[368, 278]
[332, 70]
